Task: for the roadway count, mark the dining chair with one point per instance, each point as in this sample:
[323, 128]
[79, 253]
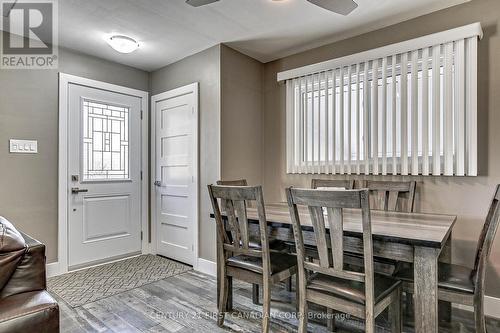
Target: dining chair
[339, 184]
[460, 284]
[380, 190]
[274, 244]
[397, 196]
[347, 184]
[360, 293]
[235, 257]
[311, 251]
[391, 195]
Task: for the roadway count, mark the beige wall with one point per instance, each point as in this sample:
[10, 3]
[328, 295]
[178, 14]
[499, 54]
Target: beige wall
[29, 110]
[231, 137]
[203, 67]
[252, 104]
[467, 197]
[241, 116]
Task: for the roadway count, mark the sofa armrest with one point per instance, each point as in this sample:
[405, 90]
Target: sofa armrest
[35, 311]
[30, 273]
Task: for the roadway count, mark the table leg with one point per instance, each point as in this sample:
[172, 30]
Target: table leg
[426, 289]
[218, 289]
[229, 306]
[255, 293]
[445, 307]
[446, 252]
[288, 284]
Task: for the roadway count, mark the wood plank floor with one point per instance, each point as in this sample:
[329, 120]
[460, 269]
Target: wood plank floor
[186, 303]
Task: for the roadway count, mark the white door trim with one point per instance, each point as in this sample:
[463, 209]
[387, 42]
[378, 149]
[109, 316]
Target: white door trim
[65, 80]
[190, 88]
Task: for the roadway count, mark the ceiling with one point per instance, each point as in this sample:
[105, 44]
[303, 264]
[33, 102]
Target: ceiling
[169, 30]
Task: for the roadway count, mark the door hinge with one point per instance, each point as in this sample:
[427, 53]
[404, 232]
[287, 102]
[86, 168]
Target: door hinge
[141, 114]
[141, 235]
[141, 175]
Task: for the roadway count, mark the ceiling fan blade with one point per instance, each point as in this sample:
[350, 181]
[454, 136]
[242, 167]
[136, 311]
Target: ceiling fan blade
[198, 3]
[343, 7]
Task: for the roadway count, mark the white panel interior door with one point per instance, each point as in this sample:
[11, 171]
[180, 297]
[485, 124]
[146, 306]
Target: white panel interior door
[176, 142]
[104, 172]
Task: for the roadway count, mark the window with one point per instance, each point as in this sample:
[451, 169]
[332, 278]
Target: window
[105, 141]
[386, 112]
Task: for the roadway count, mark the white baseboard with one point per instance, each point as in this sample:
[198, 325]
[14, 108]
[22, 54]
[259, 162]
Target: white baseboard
[53, 269]
[491, 307]
[206, 266]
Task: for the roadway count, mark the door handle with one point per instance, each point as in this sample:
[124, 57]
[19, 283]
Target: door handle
[76, 190]
[158, 183]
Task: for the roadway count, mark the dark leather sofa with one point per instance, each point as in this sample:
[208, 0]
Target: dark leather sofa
[25, 305]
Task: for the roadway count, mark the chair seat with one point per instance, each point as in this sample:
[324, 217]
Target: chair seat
[279, 262]
[352, 290]
[452, 277]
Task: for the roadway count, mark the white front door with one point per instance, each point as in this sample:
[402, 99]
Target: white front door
[104, 175]
[176, 146]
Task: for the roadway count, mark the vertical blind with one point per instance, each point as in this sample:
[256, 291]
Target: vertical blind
[408, 108]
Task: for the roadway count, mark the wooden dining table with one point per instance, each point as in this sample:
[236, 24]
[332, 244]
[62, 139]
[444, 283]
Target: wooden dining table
[418, 238]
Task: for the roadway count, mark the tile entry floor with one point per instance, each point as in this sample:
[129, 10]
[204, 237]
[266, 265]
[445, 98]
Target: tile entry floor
[186, 303]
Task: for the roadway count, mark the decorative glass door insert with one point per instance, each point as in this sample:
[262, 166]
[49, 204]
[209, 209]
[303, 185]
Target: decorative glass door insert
[105, 136]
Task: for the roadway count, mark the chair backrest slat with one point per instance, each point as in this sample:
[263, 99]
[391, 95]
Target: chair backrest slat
[331, 263]
[336, 236]
[234, 200]
[238, 182]
[485, 242]
[392, 201]
[232, 222]
[318, 222]
[348, 184]
[385, 195]
[241, 213]
[319, 198]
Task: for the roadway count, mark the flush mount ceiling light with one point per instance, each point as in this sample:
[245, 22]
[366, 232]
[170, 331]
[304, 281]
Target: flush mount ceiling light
[343, 7]
[123, 44]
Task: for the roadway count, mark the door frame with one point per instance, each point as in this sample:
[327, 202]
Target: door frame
[61, 266]
[190, 88]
